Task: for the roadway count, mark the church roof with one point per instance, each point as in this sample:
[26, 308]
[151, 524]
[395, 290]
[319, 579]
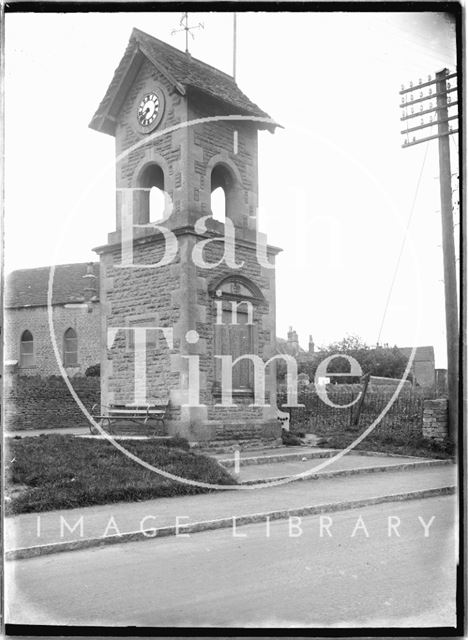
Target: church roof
[181, 69]
[28, 287]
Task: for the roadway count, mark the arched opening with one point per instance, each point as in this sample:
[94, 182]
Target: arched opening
[224, 193]
[218, 204]
[27, 349]
[70, 348]
[152, 198]
[156, 204]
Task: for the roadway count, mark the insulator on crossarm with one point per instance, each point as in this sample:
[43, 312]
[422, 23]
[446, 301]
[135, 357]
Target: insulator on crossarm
[411, 84]
[429, 78]
[420, 81]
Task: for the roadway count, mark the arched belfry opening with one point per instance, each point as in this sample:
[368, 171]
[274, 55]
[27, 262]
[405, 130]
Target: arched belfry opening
[218, 204]
[225, 191]
[152, 200]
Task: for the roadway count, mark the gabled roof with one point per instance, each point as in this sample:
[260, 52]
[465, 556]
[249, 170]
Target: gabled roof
[422, 354]
[28, 287]
[182, 70]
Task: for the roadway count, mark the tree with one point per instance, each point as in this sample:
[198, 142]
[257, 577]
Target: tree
[380, 361]
[387, 362]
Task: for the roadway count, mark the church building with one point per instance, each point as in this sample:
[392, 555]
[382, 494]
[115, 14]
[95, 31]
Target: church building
[179, 282]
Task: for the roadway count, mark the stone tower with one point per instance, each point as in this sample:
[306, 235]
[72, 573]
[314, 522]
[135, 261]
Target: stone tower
[184, 128]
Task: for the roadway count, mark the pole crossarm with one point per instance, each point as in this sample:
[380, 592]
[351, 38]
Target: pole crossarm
[429, 124]
[436, 109]
[415, 87]
[426, 111]
[420, 140]
[430, 96]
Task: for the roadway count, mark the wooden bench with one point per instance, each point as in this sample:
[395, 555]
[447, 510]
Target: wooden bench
[150, 414]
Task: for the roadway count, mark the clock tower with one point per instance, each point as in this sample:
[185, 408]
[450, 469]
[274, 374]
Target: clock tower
[180, 290]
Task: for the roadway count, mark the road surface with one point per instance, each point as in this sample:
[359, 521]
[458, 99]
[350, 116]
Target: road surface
[286, 579]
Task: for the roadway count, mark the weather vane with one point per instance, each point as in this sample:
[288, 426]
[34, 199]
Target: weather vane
[185, 27]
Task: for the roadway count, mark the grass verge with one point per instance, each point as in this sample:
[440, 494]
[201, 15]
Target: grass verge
[421, 447]
[64, 472]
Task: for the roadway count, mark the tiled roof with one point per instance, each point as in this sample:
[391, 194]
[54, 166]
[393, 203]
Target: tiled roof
[28, 287]
[183, 71]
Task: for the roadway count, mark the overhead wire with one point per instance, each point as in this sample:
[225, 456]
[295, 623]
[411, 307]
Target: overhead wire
[403, 244]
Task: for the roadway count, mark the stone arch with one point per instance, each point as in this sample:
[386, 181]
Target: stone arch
[222, 285]
[223, 174]
[151, 199]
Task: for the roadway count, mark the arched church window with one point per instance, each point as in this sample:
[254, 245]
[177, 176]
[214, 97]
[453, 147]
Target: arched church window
[70, 348]
[152, 199]
[27, 349]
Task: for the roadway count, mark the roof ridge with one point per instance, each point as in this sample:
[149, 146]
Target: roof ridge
[49, 266]
[182, 53]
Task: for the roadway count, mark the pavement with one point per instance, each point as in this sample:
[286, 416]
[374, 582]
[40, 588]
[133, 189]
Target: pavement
[53, 527]
[289, 468]
[215, 579]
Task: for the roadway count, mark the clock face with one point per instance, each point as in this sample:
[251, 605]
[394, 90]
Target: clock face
[148, 109]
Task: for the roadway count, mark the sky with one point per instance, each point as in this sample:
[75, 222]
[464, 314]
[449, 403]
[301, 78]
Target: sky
[336, 189]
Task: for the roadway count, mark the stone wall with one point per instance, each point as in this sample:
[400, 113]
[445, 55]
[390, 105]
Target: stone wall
[435, 419]
[36, 402]
[139, 297]
[35, 319]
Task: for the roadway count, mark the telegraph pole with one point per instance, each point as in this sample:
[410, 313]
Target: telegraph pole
[441, 114]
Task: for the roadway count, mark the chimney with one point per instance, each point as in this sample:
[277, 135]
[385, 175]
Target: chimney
[311, 345]
[90, 283]
[293, 341]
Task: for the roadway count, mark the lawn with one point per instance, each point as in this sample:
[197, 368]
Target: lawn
[63, 472]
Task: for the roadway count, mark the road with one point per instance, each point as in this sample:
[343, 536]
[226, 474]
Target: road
[216, 579]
